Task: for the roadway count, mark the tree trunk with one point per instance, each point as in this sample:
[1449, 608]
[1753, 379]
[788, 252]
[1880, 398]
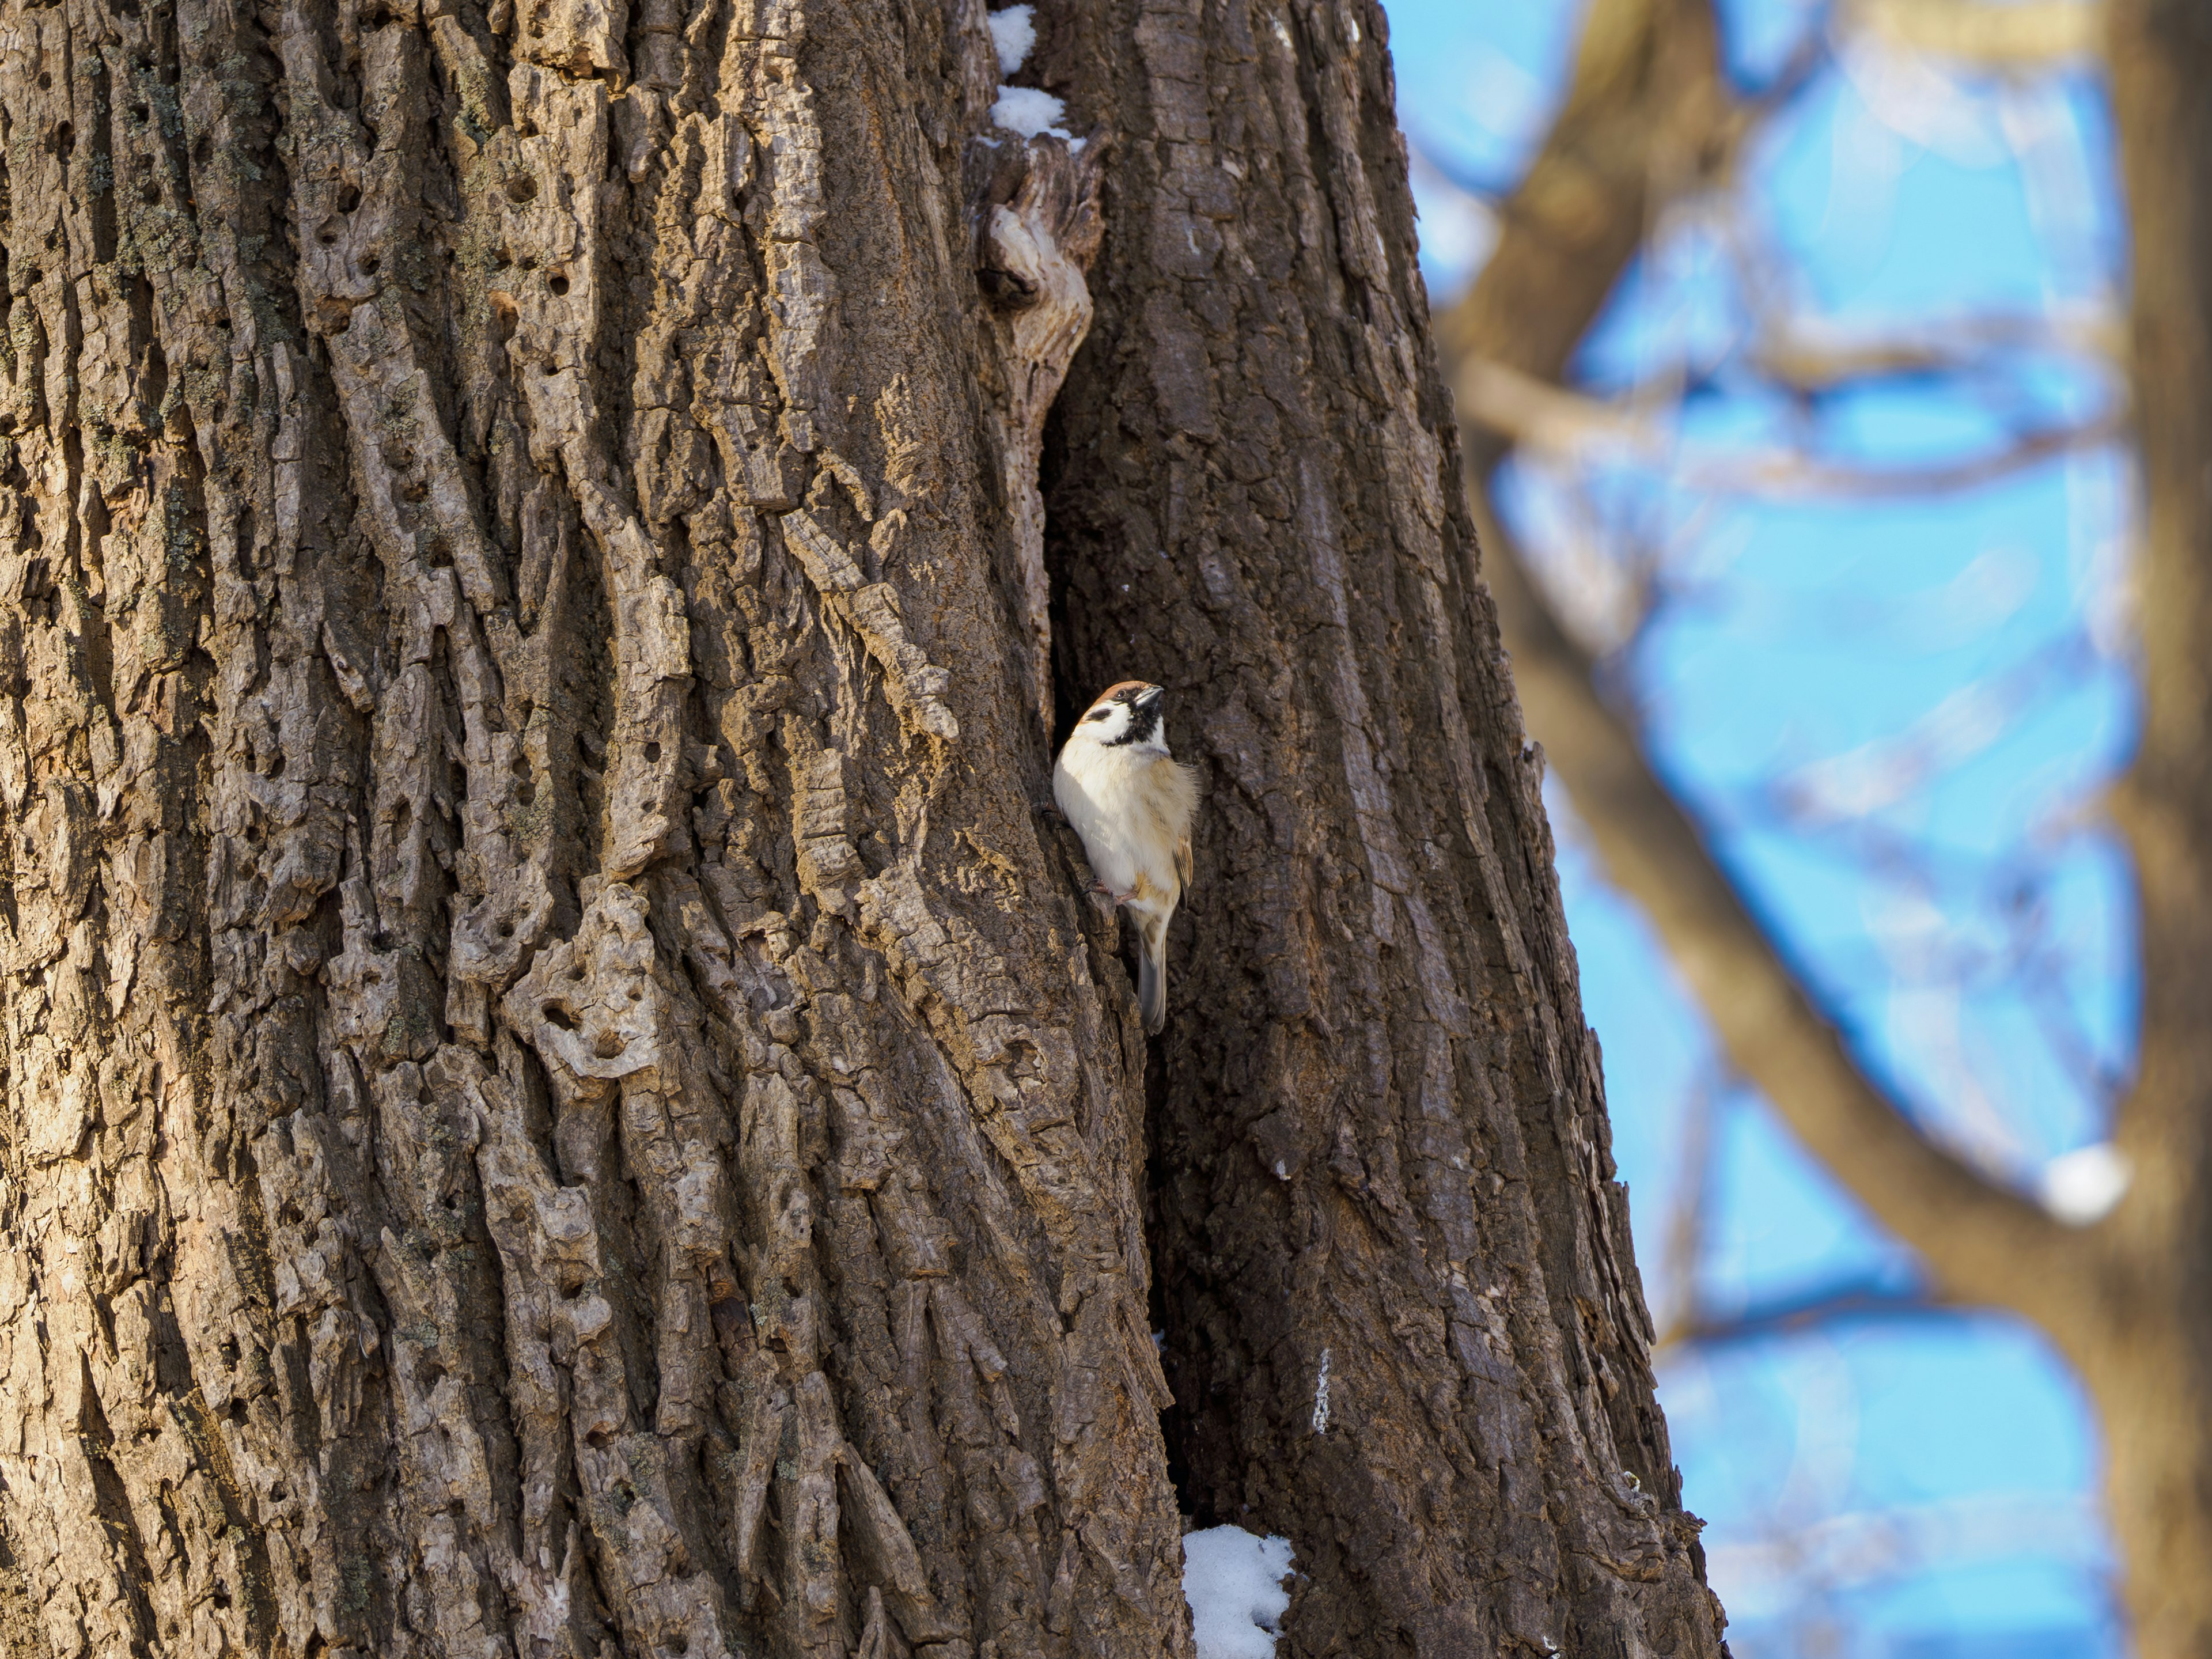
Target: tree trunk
[2143, 1338]
[562, 1096]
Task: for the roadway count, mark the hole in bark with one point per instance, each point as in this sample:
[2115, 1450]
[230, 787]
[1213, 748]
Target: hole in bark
[65, 141]
[521, 188]
[149, 194]
[576, 972]
[327, 238]
[428, 1374]
[349, 199]
[238, 1411]
[504, 316]
[138, 114]
[221, 1598]
[370, 266]
[558, 281]
[506, 930]
[679, 1644]
[278, 1492]
[551, 367]
[46, 81]
[556, 1015]
[608, 1047]
[598, 1438]
[439, 554]
[276, 768]
[228, 1348]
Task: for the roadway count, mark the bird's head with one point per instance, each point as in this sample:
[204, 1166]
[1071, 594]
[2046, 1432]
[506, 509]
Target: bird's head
[1127, 716]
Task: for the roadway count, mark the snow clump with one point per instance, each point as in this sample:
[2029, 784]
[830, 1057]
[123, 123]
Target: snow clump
[1029, 112]
[1233, 1580]
[1014, 32]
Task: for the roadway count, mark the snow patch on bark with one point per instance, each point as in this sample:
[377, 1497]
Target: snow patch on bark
[1233, 1580]
[1014, 32]
[1029, 112]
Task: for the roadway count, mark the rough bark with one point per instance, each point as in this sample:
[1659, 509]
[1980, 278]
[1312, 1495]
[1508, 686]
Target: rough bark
[2126, 1299]
[1380, 1145]
[561, 1097]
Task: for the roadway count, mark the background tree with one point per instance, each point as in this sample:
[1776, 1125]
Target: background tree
[1652, 123]
[563, 1099]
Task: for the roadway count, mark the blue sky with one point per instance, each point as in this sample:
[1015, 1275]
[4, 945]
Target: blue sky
[1896, 716]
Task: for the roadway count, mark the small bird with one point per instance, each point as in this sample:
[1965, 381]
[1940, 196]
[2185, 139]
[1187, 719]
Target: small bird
[1132, 803]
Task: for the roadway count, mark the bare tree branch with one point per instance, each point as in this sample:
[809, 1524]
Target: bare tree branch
[1812, 361]
[1649, 121]
[1984, 1242]
[1559, 257]
[1539, 415]
[2033, 34]
[1863, 1299]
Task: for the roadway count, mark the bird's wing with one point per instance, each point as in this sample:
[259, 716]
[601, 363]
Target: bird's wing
[1182, 811]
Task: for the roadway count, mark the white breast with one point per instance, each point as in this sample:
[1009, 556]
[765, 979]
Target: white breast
[1101, 789]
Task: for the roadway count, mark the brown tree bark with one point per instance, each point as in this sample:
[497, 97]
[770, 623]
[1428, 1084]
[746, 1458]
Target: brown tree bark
[562, 1098]
[2125, 1299]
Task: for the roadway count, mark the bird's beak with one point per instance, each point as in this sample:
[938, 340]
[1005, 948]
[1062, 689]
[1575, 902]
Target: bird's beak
[1148, 697]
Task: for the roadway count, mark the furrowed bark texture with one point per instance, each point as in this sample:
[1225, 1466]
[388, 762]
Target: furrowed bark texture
[1404, 1327]
[561, 1099]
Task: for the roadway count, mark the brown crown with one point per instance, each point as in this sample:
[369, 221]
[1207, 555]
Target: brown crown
[1115, 692]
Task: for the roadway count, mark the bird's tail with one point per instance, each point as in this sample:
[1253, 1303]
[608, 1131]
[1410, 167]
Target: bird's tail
[1152, 977]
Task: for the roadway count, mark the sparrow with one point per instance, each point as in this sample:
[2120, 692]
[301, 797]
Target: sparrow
[1131, 803]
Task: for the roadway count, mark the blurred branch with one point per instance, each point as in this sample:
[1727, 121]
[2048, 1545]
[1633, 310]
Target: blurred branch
[2031, 34]
[1631, 143]
[1986, 1243]
[1873, 1547]
[1685, 1247]
[1540, 416]
[1648, 118]
[1863, 1299]
[1811, 361]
